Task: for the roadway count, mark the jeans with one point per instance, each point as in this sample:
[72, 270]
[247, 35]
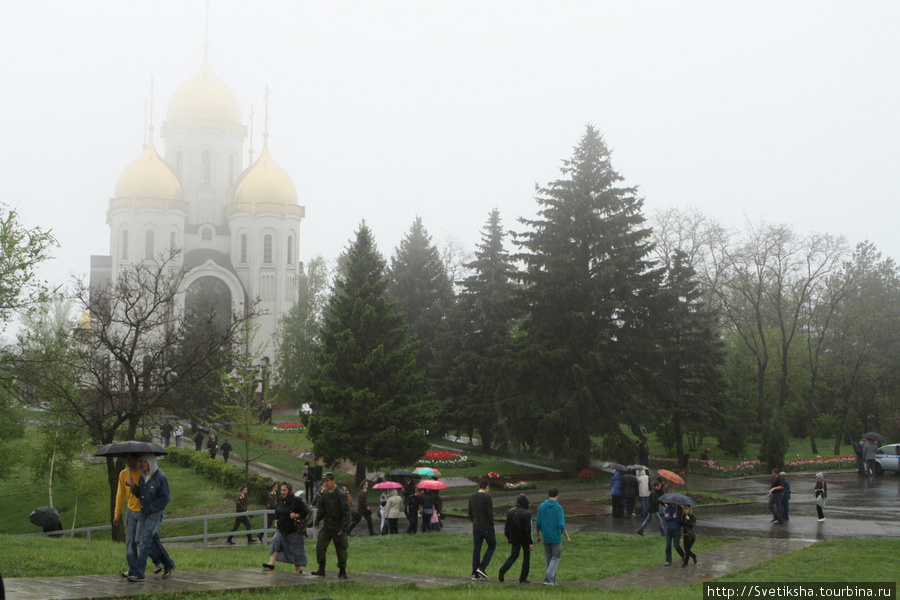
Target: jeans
[659, 521]
[132, 535]
[480, 536]
[150, 545]
[776, 504]
[552, 554]
[673, 535]
[645, 506]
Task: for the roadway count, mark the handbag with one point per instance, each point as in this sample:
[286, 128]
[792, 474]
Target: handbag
[820, 500]
[435, 517]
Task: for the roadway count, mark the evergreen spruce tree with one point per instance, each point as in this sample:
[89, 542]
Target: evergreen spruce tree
[369, 406]
[585, 281]
[684, 359]
[420, 287]
[477, 328]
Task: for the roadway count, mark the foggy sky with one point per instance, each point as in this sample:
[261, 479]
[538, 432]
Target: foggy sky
[387, 110]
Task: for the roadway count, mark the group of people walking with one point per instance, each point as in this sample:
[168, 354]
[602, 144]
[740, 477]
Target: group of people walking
[142, 495]
[550, 525]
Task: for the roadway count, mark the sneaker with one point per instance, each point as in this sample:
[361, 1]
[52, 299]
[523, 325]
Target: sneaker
[158, 568]
[524, 581]
[126, 574]
[135, 579]
[667, 564]
[475, 577]
[548, 583]
[168, 573]
[481, 573]
[822, 519]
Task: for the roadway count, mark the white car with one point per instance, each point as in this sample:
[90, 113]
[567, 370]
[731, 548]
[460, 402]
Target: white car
[888, 459]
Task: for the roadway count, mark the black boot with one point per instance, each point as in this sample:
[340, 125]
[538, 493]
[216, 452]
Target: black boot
[342, 574]
[229, 542]
[320, 572]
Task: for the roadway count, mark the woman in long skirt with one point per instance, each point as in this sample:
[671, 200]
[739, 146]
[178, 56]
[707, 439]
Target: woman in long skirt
[288, 545]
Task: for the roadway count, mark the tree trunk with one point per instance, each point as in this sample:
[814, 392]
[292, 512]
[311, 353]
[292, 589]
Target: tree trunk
[679, 444]
[840, 434]
[360, 474]
[487, 438]
[810, 413]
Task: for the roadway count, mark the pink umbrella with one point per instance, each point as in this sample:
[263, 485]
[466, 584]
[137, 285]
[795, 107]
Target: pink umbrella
[387, 485]
[432, 484]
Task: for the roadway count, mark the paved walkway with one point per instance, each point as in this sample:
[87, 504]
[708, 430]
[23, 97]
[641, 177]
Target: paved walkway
[725, 559]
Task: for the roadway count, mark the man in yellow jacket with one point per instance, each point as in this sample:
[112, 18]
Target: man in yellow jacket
[131, 505]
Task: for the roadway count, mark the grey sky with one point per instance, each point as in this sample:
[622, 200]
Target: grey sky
[388, 110]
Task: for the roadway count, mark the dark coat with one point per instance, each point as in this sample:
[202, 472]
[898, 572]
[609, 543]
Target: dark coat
[283, 510]
[518, 523]
[629, 485]
[334, 510]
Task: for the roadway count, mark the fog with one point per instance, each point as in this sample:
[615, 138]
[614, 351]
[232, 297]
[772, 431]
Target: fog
[383, 111]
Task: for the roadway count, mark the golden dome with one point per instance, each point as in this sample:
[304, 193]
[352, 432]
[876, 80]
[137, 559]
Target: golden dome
[148, 177]
[265, 182]
[204, 100]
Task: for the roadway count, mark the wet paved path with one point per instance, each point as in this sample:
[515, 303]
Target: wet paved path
[725, 559]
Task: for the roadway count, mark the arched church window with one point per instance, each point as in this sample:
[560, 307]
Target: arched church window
[172, 241]
[244, 248]
[123, 251]
[267, 250]
[206, 233]
[148, 244]
[179, 163]
[290, 250]
[205, 167]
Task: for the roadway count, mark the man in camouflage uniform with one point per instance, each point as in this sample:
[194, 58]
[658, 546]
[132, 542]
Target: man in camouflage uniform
[335, 511]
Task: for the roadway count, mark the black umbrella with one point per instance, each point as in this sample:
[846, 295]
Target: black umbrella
[875, 437]
[400, 473]
[638, 468]
[616, 467]
[130, 447]
[676, 499]
[44, 516]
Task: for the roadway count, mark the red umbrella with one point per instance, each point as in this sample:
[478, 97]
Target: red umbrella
[387, 485]
[432, 484]
[670, 476]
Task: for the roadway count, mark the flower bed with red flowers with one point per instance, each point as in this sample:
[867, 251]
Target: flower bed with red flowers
[288, 426]
[443, 458]
[712, 468]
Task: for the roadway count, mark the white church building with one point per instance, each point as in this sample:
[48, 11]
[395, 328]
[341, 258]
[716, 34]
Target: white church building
[238, 229]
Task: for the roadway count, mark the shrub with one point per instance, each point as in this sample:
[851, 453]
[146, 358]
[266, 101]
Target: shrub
[774, 442]
[224, 474]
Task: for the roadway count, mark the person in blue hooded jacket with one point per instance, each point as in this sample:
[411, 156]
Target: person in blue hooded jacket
[551, 525]
[152, 488]
[615, 489]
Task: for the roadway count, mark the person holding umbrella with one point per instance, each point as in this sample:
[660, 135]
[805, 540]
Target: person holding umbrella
[131, 505]
[688, 520]
[152, 488]
[673, 516]
[869, 452]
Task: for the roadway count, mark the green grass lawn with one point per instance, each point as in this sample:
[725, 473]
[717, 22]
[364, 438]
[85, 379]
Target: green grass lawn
[589, 556]
[192, 495]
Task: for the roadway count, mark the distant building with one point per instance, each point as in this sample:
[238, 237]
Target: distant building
[238, 229]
